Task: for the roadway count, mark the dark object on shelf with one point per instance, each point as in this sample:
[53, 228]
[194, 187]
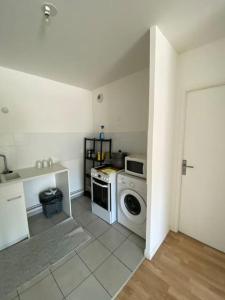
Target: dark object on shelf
[117, 160]
[51, 201]
[93, 155]
[89, 153]
[97, 145]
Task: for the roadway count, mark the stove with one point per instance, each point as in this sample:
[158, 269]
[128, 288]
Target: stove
[103, 192]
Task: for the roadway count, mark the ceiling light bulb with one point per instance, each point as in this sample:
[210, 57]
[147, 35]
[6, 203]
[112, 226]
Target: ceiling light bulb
[48, 10]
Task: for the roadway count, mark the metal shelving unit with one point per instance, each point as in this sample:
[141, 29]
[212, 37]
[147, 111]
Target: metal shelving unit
[96, 145]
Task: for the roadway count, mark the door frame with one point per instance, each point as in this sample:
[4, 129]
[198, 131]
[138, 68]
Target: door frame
[179, 152]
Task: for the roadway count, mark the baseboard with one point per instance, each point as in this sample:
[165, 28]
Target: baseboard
[150, 254]
[37, 209]
[76, 194]
[153, 252]
[147, 254]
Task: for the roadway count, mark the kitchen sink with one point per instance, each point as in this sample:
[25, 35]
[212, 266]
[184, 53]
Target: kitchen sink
[9, 177]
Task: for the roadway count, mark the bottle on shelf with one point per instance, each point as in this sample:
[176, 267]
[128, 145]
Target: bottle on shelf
[101, 133]
[98, 155]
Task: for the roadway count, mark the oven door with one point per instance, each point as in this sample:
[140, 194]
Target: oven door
[101, 193]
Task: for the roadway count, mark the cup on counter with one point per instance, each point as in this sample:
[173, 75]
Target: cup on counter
[44, 163]
[50, 162]
[38, 164]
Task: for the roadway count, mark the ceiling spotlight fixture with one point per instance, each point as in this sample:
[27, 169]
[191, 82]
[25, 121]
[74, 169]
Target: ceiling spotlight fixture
[100, 98]
[48, 10]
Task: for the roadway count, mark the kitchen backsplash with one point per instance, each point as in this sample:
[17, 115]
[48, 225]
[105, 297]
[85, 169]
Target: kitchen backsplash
[22, 150]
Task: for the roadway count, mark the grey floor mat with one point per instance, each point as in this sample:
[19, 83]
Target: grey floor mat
[21, 262]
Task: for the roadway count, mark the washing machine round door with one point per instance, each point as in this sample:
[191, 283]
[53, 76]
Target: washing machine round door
[133, 206]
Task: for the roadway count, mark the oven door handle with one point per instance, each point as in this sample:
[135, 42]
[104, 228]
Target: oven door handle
[101, 185]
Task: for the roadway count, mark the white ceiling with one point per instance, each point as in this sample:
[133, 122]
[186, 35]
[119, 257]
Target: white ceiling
[93, 42]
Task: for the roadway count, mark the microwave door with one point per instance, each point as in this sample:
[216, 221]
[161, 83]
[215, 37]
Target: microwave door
[135, 167]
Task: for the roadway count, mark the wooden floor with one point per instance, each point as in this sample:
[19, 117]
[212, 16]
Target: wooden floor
[183, 268]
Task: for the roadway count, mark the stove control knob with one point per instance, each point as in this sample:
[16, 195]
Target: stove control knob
[99, 175]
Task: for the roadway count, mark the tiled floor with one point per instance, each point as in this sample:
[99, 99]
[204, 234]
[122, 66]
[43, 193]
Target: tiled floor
[39, 223]
[97, 270]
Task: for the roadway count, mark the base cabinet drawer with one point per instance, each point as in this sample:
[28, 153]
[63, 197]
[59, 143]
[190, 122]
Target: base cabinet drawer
[13, 218]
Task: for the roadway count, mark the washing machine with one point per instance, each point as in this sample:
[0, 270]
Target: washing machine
[131, 203]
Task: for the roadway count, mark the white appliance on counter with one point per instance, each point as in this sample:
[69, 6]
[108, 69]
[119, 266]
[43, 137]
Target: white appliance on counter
[136, 165]
[103, 193]
[132, 203]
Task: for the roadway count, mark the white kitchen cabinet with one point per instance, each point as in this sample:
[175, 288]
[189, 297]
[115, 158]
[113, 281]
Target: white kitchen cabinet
[15, 194]
[13, 217]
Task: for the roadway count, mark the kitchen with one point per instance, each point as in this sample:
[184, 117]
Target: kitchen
[106, 122]
[66, 149]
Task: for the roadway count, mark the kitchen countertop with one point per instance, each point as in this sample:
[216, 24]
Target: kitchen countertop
[33, 172]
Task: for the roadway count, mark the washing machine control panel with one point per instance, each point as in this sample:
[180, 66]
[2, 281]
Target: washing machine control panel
[126, 181]
[131, 185]
[122, 180]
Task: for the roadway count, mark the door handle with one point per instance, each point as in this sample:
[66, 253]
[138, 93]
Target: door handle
[101, 185]
[185, 166]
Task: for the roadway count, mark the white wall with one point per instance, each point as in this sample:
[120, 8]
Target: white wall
[124, 112]
[45, 119]
[160, 139]
[198, 68]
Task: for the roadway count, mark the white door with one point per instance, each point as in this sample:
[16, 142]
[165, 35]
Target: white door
[202, 211]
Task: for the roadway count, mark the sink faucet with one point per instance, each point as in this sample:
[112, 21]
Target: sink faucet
[6, 170]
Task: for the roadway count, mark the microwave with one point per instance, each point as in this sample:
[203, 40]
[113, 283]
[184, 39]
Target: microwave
[136, 165]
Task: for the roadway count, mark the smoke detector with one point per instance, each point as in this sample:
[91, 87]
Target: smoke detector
[49, 10]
